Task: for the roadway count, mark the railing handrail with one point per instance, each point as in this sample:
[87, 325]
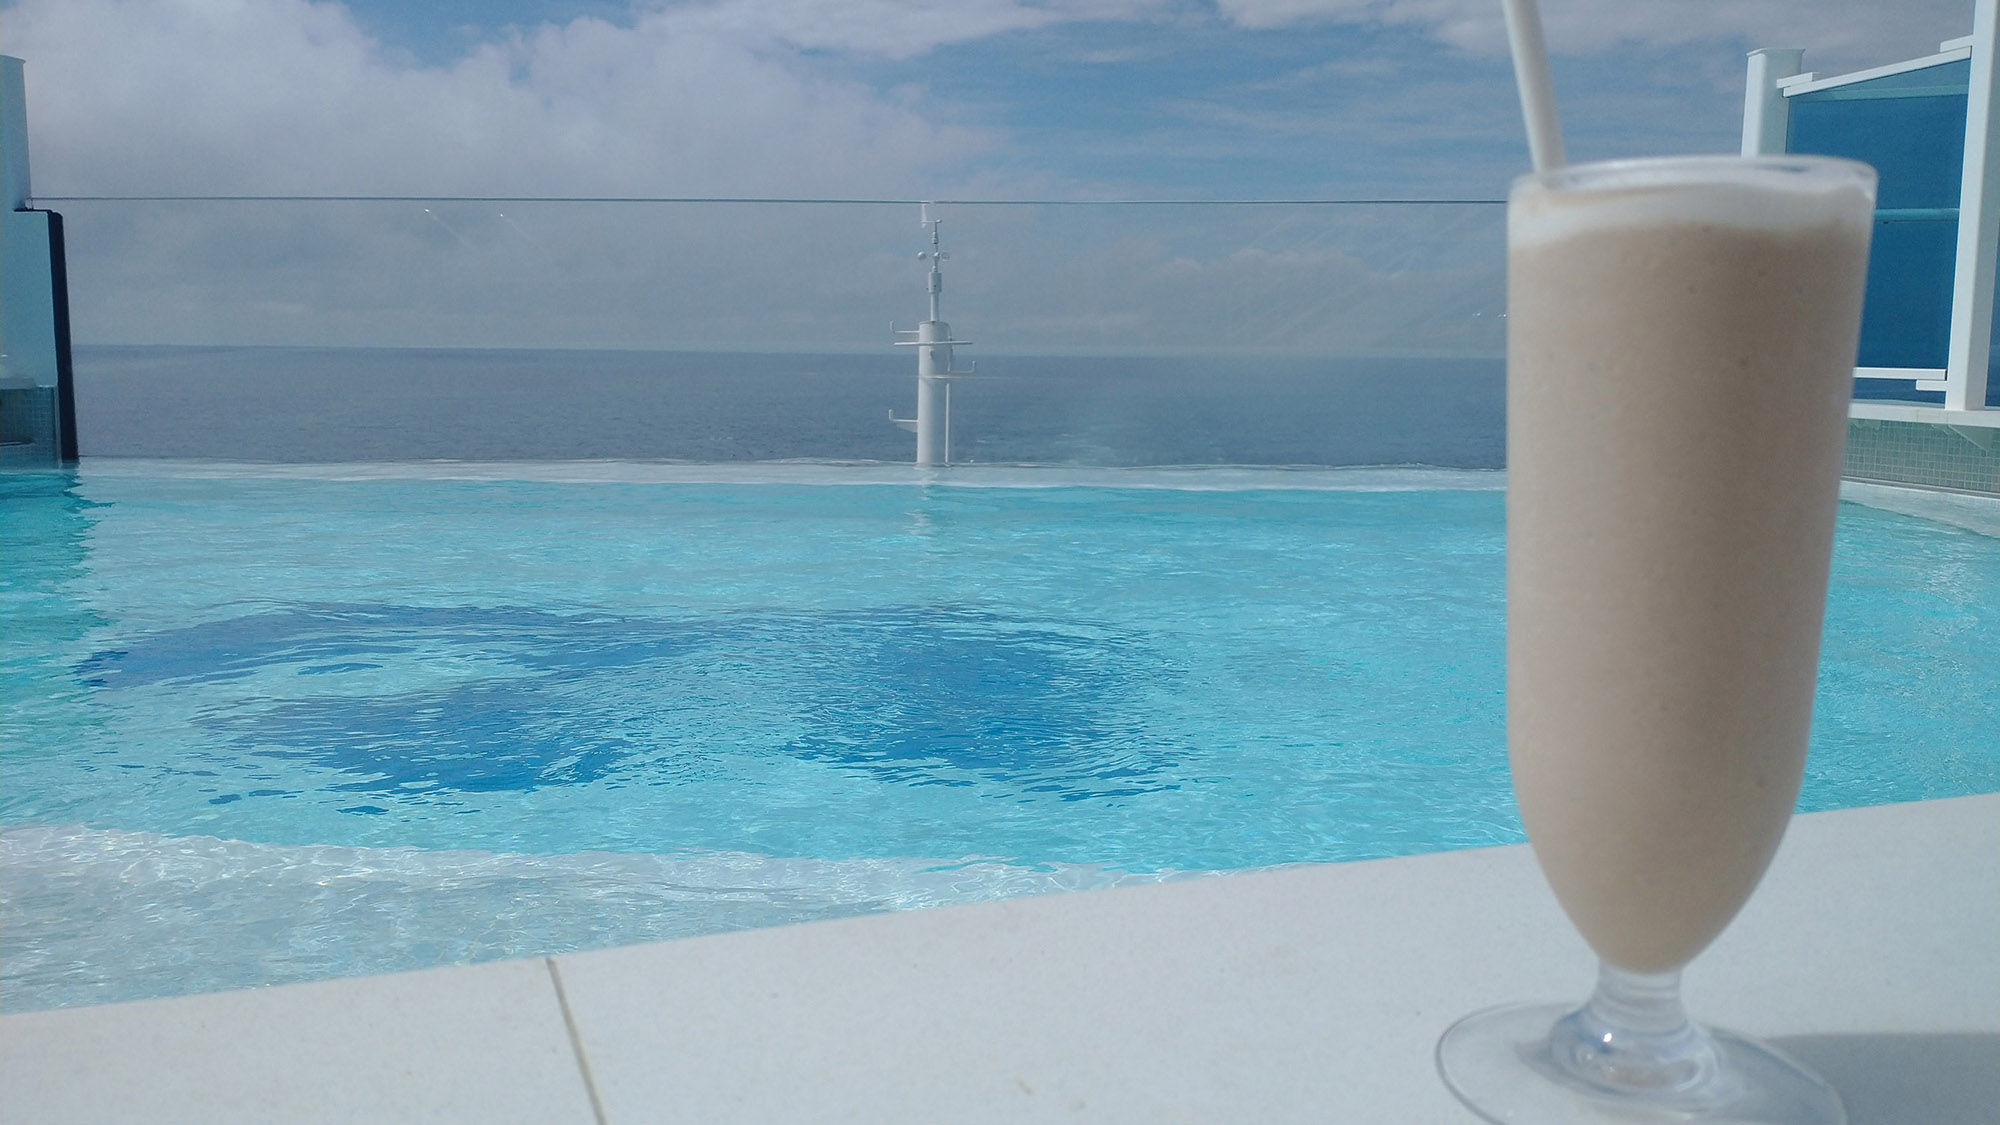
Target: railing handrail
[762, 200]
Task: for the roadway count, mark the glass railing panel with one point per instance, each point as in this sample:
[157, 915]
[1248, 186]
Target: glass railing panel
[1105, 334]
[1910, 127]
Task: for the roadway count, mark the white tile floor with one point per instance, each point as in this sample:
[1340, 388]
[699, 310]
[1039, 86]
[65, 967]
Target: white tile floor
[482, 1043]
[1310, 993]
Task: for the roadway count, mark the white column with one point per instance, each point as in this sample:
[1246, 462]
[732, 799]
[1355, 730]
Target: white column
[930, 412]
[1765, 112]
[1978, 226]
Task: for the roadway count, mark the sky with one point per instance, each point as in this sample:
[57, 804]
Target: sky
[905, 99]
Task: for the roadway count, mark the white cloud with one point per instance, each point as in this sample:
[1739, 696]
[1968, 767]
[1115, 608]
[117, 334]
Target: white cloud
[890, 28]
[720, 97]
[274, 96]
[1836, 33]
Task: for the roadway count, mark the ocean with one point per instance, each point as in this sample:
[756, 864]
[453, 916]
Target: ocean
[391, 404]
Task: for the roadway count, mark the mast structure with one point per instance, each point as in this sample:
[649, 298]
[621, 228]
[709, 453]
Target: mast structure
[934, 343]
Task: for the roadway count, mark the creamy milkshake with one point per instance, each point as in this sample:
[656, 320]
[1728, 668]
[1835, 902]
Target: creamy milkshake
[1681, 342]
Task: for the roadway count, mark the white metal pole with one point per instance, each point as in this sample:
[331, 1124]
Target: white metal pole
[1978, 226]
[1766, 113]
[927, 404]
[933, 346]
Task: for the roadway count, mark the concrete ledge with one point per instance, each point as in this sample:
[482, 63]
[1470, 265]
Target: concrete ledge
[1307, 993]
[480, 1043]
[1973, 513]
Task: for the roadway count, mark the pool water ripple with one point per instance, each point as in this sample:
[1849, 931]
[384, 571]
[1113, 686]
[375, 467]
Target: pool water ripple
[267, 727]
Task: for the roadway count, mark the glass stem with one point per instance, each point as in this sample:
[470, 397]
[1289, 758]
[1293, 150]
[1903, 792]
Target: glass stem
[1634, 1038]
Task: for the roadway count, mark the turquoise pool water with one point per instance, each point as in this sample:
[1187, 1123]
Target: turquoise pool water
[272, 724]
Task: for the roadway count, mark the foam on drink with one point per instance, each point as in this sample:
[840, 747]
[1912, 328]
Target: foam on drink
[1681, 343]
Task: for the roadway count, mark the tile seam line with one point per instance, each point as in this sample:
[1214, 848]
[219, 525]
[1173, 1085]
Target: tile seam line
[576, 1043]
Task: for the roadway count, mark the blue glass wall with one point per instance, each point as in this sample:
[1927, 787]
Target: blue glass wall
[1911, 127]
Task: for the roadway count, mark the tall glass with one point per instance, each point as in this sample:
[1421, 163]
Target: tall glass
[1680, 353]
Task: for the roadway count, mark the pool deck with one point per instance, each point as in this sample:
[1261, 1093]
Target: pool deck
[1872, 952]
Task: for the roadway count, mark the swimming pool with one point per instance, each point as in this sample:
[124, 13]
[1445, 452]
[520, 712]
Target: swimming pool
[269, 724]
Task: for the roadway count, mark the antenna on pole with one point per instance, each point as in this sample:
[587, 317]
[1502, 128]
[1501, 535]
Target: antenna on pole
[935, 255]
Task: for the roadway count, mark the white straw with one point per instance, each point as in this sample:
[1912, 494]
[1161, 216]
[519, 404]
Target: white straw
[1531, 75]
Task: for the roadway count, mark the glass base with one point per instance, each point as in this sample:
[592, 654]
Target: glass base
[1504, 1064]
